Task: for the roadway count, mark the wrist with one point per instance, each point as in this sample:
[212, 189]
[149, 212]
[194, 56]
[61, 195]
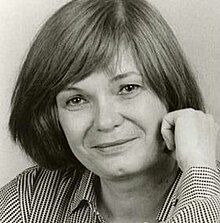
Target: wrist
[187, 166]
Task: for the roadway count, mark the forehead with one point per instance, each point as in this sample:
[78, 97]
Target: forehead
[122, 62]
[120, 66]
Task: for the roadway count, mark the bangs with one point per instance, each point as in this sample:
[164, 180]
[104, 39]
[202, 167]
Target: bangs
[93, 45]
[91, 40]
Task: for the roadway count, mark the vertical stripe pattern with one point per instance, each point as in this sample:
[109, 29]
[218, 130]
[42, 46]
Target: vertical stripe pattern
[38, 195]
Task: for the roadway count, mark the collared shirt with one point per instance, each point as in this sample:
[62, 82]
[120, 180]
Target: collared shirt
[38, 196]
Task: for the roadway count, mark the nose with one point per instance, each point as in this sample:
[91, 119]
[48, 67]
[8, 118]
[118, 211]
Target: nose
[107, 116]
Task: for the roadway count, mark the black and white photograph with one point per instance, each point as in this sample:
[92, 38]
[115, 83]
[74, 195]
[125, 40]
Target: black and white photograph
[110, 111]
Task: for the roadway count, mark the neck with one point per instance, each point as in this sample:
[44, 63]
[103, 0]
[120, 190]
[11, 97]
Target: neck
[136, 198]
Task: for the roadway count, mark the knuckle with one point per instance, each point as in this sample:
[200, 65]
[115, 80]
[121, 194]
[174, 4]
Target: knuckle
[193, 113]
[217, 127]
[190, 112]
[191, 109]
[162, 130]
[199, 112]
[210, 118]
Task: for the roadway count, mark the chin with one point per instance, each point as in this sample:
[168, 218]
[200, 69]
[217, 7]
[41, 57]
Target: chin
[121, 170]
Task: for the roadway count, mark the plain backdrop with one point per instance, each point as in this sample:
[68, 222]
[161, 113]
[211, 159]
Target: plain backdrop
[196, 24]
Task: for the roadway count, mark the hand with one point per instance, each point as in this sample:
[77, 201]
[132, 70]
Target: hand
[191, 136]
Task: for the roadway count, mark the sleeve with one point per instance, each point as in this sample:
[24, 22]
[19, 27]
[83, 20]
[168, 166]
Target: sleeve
[198, 197]
[9, 203]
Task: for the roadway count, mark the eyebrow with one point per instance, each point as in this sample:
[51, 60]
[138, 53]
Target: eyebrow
[123, 75]
[113, 79]
[71, 88]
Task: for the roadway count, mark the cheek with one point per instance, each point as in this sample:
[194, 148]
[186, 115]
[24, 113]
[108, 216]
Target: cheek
[75, 126]
[147, 113]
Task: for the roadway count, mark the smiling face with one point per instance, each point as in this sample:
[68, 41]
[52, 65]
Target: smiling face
[112, 122]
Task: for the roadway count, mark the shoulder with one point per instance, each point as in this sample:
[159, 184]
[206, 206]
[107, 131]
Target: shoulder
[9, 202]
[33, 184]
[36, 176]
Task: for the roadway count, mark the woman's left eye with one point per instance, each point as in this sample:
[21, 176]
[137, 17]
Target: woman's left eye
[129, 89]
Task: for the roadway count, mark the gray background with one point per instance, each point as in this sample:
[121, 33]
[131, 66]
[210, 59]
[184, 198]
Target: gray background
[196, 24]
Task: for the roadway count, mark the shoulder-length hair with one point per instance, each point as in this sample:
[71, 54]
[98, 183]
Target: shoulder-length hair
[81, 37]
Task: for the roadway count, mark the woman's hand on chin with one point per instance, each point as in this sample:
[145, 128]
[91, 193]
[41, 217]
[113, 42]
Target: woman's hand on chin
[191, 136]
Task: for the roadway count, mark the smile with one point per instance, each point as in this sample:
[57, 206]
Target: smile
[114, 143]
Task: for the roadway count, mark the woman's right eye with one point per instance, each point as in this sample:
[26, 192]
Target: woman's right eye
[76, 102]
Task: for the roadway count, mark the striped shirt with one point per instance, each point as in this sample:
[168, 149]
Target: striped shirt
[42, 196]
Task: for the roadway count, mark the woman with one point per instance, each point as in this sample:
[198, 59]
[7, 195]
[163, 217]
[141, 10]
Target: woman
[108, 108]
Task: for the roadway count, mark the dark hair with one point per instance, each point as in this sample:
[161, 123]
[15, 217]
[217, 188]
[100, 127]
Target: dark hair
[81, 37]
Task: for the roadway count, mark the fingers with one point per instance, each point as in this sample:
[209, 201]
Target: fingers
[168, 127]
[190, 136]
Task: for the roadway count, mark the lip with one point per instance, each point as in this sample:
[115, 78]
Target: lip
[113, 144]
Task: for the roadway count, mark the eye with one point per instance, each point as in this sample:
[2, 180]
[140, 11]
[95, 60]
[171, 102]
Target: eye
[129, 89]
[76, 102]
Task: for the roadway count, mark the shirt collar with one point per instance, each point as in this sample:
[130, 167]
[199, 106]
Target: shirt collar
[85, 190]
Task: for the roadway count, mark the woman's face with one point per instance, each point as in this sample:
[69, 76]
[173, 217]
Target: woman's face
[112, 122]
